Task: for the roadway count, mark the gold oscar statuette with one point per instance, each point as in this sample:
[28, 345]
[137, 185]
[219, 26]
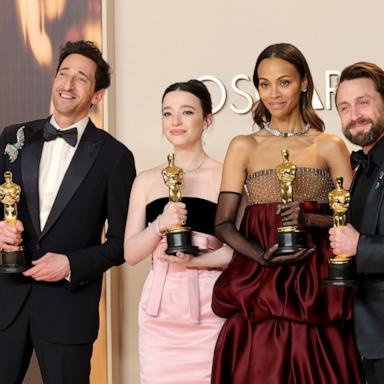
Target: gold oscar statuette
[341, 268]
[179, 238]
[11, 261]
[291, 238]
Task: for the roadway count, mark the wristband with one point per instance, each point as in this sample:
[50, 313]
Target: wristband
[157, 227]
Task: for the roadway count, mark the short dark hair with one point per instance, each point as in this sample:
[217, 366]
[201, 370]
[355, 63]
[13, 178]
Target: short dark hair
[90, 50]
[197, 88]
[292, 55]
[364, 69]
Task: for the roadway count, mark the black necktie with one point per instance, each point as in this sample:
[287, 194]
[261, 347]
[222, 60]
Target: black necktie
[363, 160]
[51, 133]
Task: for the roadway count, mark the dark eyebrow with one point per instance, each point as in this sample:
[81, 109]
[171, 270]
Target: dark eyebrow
[279, 78]
[364, 97]
[341, 103]
[182, 106]
[284, 76]
[358, 98]
[83, 74]
[188, 106]
[67, 69]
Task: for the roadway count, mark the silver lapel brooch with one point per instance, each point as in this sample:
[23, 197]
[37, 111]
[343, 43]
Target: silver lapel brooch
[12, 150]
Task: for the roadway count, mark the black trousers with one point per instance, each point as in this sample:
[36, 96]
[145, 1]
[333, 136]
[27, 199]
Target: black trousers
[59, 363]
[374, 370]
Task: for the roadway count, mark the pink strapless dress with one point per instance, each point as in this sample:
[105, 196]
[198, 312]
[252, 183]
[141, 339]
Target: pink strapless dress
[177, 327]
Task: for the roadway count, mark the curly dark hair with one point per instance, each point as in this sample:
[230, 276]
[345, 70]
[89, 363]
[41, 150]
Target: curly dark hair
[90, 50]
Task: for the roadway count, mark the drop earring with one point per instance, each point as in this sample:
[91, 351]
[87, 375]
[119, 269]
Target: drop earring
[203, 136]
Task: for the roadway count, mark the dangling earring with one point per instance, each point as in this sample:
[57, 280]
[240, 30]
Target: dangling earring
[203, 137]
[304, 90]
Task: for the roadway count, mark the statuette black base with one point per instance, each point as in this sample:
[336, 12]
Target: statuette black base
[341, 273]
[180, 240]
[13, 261]
[290, 240]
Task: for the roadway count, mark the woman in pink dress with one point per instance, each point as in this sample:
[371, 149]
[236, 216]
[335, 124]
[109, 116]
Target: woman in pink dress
[282, 325]
[177, 328]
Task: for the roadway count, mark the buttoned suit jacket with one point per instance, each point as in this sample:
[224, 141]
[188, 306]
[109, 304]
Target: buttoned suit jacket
[95, 188]
[369, 298]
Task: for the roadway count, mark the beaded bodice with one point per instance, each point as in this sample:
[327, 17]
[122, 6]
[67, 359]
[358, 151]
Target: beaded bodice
[310, 184]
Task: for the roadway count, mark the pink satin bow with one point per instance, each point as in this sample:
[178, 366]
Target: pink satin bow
[160, 271]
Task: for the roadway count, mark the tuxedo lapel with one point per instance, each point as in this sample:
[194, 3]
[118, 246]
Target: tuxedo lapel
[82, 161]
[351, 190]
[354, 179]
[373, 204]
[30, 162]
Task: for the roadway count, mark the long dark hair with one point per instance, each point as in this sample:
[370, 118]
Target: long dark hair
[198, 89]
[291, 54]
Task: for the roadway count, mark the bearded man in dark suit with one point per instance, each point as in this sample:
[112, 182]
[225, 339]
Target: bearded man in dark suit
[360, 103]
[73, 177]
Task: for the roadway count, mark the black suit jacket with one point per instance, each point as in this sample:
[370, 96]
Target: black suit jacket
[95, 188]
[369, 300]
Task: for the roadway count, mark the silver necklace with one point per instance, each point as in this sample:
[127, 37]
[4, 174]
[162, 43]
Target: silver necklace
[195, 167]
[276, 132]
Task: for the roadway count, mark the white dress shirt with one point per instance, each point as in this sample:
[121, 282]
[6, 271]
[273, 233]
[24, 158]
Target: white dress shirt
[55, 159]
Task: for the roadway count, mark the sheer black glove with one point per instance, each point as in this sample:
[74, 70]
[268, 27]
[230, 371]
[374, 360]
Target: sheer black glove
[293, 214]
[227, 232]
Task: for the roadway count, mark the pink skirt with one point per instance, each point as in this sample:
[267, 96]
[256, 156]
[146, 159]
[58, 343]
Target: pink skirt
[176, 345]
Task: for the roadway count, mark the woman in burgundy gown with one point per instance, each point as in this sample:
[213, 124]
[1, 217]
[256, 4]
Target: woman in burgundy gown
[282, 325]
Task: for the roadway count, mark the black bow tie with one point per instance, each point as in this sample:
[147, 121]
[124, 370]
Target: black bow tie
[51, 133]
[363, 160]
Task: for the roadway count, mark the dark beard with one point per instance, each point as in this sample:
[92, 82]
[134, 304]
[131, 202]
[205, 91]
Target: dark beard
[365, 138]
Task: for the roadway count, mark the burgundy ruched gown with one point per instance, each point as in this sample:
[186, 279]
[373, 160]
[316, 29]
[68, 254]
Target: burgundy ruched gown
[282, 325]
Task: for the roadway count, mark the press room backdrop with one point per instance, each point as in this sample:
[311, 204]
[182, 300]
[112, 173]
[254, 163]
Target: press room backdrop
[154, 43]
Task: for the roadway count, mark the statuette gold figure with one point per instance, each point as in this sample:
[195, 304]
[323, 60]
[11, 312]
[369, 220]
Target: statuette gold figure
[179, 237]
[341, 269]
[286, 173]
[11, 261]
[291, 238]
[9, 196]
[339, 200]
[173, 179]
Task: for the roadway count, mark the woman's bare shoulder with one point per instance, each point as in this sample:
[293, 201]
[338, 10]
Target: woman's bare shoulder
[242, 142]
[148, 176]
[330, 141]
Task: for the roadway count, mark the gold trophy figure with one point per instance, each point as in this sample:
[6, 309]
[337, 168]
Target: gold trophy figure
[11, 261]
[341, 268]
[173, 179]
[290, 238]
[286, 173]
[339, 200]
[179, 238]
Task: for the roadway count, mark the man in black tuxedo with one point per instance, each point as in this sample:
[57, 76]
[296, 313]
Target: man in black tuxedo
[360, 103]
[74, 177]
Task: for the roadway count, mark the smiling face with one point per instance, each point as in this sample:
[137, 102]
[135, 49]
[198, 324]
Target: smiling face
[73, 90]
[361, 110]
[280, 87]
[183, 119]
